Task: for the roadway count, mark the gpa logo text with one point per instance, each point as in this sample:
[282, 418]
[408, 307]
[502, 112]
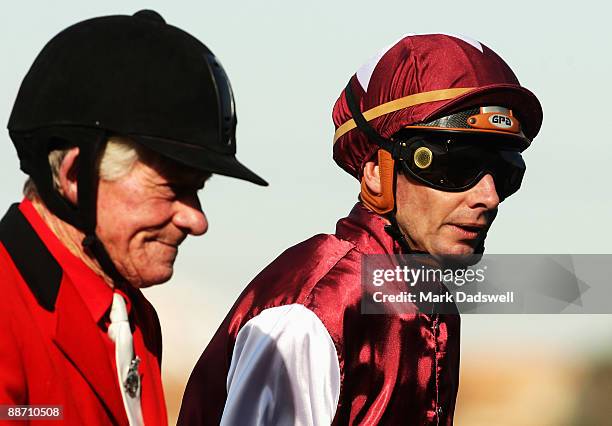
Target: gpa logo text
[501, 121]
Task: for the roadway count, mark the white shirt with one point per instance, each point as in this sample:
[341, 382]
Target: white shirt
[284, 371]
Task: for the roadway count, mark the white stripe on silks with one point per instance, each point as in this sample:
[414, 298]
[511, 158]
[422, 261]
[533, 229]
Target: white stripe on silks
[127, 366]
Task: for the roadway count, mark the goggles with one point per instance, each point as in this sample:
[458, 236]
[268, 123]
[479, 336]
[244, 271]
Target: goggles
[455, 161]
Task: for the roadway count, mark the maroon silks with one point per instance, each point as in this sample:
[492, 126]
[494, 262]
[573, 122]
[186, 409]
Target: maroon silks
[395, 369]
[426, 63]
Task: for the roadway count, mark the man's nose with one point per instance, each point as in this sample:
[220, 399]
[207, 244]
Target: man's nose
[189, 216]
[484, 194]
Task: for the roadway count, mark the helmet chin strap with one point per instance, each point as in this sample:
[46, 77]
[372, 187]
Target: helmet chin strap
[396, 233]
[383, 203]
[88, 179]
[393, 229]
[82, 216]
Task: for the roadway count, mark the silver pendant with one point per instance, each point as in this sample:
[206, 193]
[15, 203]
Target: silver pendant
[132, 381]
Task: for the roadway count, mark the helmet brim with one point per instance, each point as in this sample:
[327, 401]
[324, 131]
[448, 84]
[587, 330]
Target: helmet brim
[200, 158]
[523, 103]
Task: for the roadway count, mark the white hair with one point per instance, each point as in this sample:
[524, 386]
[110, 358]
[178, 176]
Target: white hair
[119, 156]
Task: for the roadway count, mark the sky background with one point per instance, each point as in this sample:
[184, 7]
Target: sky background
[288, 62]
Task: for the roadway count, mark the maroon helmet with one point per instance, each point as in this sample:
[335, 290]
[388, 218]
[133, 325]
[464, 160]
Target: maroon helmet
[418, 82]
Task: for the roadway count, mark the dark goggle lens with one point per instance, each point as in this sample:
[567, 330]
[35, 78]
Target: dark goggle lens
[458, 163]
[510, 174]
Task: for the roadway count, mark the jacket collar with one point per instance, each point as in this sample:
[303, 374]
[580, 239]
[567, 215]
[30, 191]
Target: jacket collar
[76, 333]
[366, 230]
[94, 291]
[37, 266]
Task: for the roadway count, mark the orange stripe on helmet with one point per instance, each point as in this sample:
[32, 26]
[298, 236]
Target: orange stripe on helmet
[401, 103]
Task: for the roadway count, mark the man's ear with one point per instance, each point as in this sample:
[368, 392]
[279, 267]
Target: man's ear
[67, 175]
[377, 184]
[371, 178]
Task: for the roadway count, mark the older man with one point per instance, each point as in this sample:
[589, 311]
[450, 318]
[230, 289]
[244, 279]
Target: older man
[118, 123]
[433, 128]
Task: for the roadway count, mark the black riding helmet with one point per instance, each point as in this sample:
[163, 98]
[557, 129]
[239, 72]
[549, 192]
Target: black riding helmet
[133, 76]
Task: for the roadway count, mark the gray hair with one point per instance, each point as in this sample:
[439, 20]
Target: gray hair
[119, 156]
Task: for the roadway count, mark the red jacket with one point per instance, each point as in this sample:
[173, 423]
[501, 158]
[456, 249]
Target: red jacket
[394, 369]
[51, 350]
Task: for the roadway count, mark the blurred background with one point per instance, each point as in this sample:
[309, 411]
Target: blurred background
[288, 62]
